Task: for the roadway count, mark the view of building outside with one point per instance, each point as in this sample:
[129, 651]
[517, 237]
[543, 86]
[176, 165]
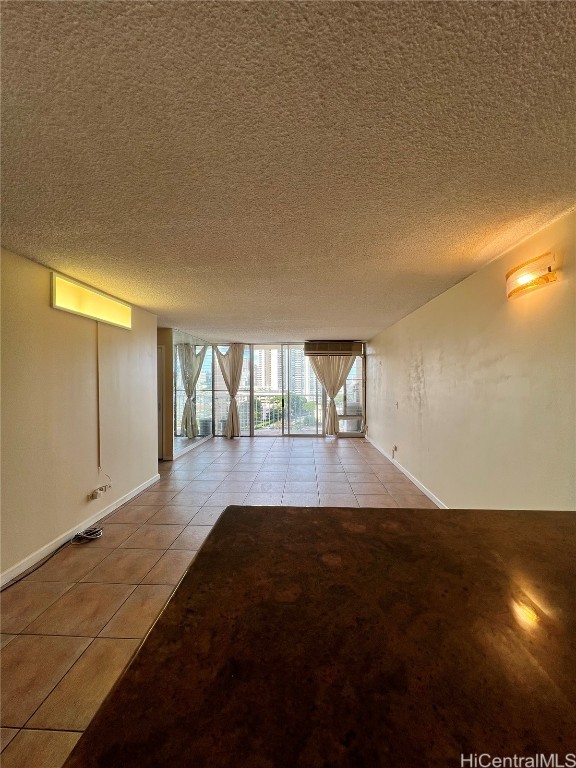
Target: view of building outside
[304, 394]
[268, 389]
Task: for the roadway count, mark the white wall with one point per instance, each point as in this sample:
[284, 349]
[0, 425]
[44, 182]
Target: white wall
[49, 414]
[485, 387]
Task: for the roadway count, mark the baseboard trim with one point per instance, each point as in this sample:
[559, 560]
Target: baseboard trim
[189, 448]
[411, 477]
[28, 562]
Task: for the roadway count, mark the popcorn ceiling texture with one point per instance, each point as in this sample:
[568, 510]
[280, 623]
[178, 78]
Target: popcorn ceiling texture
[271, 171]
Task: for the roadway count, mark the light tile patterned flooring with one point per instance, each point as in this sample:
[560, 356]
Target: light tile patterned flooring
[70, 627]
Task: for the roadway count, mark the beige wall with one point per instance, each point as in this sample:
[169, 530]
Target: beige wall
[49, 414]
[485, 387]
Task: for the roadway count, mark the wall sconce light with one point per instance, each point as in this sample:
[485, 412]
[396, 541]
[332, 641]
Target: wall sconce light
[532, 274]
[79, 299]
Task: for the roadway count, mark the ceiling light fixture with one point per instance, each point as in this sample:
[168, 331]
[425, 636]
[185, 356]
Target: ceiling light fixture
[532, 274]
[71, 296]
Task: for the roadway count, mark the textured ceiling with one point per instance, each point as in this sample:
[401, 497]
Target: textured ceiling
[280, 171]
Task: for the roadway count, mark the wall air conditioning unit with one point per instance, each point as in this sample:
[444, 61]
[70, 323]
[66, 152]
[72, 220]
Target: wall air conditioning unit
[349, 348]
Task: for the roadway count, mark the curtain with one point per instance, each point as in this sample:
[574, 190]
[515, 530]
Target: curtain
[231, 367]
[190, 365]
[332, 371]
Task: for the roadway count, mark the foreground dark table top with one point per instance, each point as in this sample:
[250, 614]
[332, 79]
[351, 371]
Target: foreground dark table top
[355, 637]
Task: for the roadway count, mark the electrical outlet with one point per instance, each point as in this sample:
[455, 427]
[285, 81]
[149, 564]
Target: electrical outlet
[97, 492]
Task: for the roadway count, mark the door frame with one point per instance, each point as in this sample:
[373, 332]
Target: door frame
[160, 398]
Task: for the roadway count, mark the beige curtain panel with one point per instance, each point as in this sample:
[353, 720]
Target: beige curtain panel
[190, 365]
[332, 371]
[231, 367]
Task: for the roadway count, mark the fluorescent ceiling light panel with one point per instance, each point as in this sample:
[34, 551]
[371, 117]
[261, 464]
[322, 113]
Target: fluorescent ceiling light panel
[79, 299]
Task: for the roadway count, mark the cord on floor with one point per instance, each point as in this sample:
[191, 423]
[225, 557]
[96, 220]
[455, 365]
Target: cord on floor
[79, 538]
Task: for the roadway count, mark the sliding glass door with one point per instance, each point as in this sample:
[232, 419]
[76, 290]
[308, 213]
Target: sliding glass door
[279, 394]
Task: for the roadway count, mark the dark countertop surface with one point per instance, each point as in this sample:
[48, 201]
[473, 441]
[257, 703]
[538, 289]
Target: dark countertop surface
[311, 637]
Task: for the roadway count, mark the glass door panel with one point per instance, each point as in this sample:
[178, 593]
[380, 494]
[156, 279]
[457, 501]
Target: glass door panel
[243, 396]
[222, 398]
[204, 395]
[268, 382]
[304, 394]
[350, 400]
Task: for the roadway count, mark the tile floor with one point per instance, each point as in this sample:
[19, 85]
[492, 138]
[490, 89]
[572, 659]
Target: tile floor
[71, 627]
